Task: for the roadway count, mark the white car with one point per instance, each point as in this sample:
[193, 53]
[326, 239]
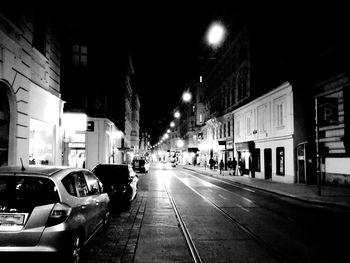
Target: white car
[49, 210]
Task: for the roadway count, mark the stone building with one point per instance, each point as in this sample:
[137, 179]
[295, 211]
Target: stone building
[30, 78]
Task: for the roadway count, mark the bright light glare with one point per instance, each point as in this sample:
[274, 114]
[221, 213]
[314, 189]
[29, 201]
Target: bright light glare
[180, 143]
[216, 34]
[117, 134]
[187, 96]
[172, 124]
[74, 121]
[177, 114]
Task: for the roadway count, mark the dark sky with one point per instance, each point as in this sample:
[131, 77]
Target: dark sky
[164, 42]
[165, 38]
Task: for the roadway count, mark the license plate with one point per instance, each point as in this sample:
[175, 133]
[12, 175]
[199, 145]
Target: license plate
[11, 219]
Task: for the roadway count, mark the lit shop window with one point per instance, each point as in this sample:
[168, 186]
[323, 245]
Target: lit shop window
[41, 142]
[280, 160]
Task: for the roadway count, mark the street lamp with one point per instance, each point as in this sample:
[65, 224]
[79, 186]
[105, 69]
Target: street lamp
[177, 115]
[216, 34]
[186, 96]
[180, 143]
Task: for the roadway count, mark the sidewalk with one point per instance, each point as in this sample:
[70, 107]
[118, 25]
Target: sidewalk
[336, 196]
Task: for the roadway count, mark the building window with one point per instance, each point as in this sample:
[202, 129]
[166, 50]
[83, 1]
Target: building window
[280, 114]
[200, 117]
[79, 55]
[228, 129]
[39, 34]
[280, 160]
[220, 131]
[262, 118]
[249, 123]
[238, 125]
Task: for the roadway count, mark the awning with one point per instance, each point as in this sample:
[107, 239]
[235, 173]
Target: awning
[245, 146]
[193, 150]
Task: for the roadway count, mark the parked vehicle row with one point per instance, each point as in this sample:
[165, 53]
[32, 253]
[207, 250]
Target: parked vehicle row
[57, 210]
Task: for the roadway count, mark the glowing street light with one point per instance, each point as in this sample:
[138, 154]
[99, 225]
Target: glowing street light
[177, 114]
[216, 34]
[172, 124]
[186, 96]
[180, 143]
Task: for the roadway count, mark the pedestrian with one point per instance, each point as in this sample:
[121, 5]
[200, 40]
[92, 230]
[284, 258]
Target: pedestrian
[221, 165]
[230, 166]
[211, 163]
[234, 165]
[240, 168]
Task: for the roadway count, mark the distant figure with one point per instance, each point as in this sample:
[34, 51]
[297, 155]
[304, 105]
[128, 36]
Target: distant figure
[221, 165]
[230, 166]
[211, 163]
[234, 165]
[240, 168]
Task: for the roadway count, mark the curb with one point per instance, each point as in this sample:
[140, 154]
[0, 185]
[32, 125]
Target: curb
[310, 201]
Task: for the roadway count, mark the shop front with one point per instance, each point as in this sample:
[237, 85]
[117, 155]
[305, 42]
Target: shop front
[244, 158]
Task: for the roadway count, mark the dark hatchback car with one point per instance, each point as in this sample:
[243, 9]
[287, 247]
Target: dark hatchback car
[140, 165]
[120, 182]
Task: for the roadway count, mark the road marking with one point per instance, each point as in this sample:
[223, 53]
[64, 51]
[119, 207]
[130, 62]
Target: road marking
[223, 197]
[243, 208]
[222, 187]
[247, 189]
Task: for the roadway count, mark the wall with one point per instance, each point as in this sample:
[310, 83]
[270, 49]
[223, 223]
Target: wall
[34, 82]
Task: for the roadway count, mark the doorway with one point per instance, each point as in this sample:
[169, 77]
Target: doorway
[268, 163]
[4, 125]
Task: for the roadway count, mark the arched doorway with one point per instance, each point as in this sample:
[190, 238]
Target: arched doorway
[4, 125]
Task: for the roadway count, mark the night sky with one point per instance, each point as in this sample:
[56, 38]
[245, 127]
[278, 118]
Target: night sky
[166, 38]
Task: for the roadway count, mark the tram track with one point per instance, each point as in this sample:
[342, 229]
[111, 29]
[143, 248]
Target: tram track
[228, 217]
[193, 250]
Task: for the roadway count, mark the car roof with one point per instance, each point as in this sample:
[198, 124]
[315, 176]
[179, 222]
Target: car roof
[48, 171]
[113, 165]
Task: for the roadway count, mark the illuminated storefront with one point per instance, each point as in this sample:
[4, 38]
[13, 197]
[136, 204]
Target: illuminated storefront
[89, 141]
[41, 143]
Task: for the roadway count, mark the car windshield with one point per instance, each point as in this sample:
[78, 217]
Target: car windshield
[139, 162]
[112, 173]
[23, 193]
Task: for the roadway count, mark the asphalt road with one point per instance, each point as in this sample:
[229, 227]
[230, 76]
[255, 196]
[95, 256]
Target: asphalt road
[182, 216]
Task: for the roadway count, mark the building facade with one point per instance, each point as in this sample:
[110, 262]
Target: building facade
[264, 136]
[31, 106]
[332, 114]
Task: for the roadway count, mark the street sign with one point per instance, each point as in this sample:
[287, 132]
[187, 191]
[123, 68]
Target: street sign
[327, 111]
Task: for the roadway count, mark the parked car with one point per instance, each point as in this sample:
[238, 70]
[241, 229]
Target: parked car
[120, 181]
[140, 165]
[50, 210]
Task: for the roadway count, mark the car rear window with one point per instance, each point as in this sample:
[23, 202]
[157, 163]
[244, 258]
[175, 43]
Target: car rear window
[23, 193]
[112, 173]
